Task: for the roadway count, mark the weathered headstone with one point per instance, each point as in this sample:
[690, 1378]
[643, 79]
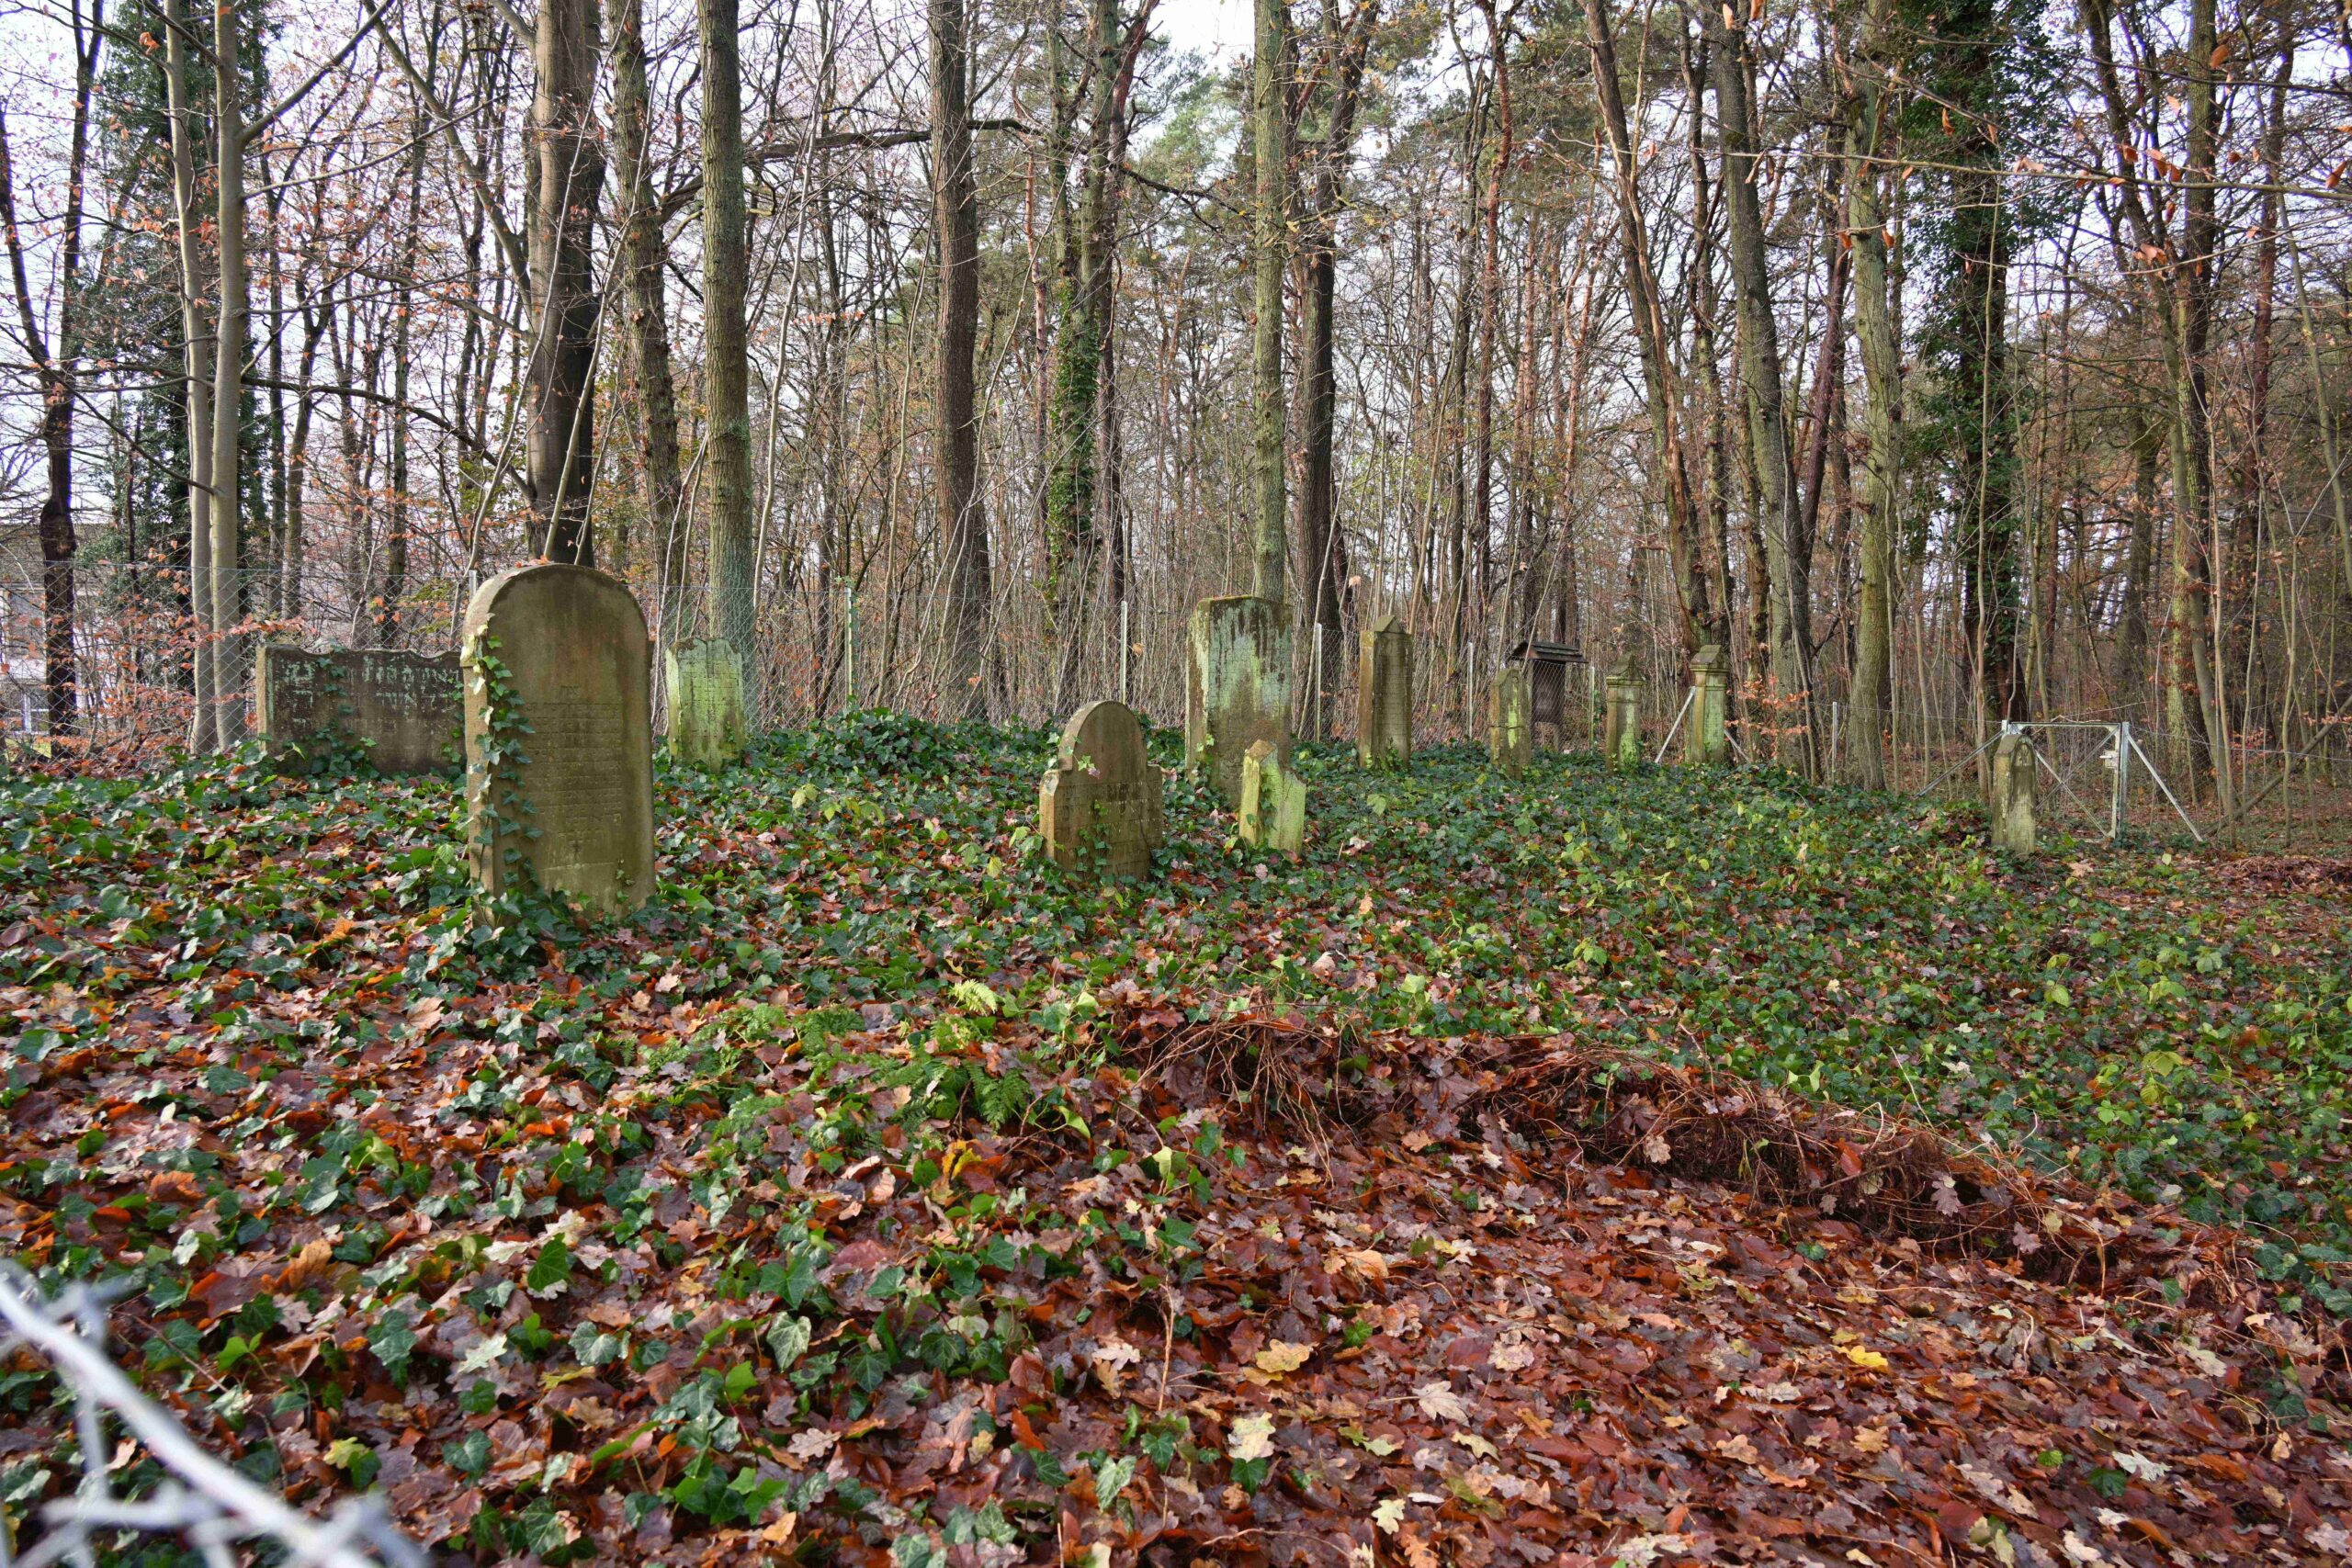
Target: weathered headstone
[1100, 802]
[1707, 741]
[559, 737]
[1237, 687]
[1385, 695]
[1274, 802]
[1622, 740]
[2013, 791]
[706, 724]
[1510, 721]
[403, 708]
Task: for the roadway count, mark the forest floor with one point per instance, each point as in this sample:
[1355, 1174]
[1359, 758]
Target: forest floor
[1584, 1168]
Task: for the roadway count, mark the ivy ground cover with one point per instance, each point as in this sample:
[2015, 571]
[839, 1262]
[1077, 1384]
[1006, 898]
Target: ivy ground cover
[828, 1206]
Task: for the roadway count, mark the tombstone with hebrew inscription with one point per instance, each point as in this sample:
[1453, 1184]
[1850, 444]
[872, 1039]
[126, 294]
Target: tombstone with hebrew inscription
[1099, 806]
[400, 708]
[1237, 687]
[559, 738]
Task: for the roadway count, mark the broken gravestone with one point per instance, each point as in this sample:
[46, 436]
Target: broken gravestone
[1385, 695]
[1274, 803]
[559, 738]
[1510, 721]
[402, 708]
[1708, 742]
[707, 725]
[1237, 687]
[1098, 804]
[2013, 788]
[1622, 738]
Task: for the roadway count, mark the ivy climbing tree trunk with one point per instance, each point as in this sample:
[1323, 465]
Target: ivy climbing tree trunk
[1269, 127]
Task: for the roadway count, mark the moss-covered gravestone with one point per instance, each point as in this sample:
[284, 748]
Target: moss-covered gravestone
[1622, 738]
[2013, 793]
[1237, 687]
[1707, 741]
[1385, 695]
[559, 737]
[1510, 721]
[401, 707]
[1274, 803]
[1099, 806]
[707, 726]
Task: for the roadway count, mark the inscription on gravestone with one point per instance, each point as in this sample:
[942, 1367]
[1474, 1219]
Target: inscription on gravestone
[402, 708]
[1385, 695]
[707, 726]
[559, 737]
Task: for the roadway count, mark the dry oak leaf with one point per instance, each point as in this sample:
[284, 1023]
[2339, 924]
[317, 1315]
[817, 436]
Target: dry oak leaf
[1252, 1438]
[1865, 1358]
[1283, 1357]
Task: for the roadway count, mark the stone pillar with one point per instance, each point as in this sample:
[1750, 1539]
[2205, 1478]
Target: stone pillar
[1621, 743]
[1274, 802]
[1510, 721]
[1385, 695]
[1237, 687]
[559, 737]
[2013, 785]
[1705, 742]
[706, 722]
[1099, 806]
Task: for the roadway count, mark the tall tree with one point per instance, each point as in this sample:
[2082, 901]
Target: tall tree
[1870, 130]
[642, 257]
[196, 346]
[957, 446]
[1787, 563]
[568, 180]
[1269, 127]
[727, 355]
[57, 362]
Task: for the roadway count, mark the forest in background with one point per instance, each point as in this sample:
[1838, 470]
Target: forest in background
[1946, 365]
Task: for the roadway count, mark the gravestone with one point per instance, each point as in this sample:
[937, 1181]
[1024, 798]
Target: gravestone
[559, 737]
[1274, 803]
[404, 708]
[1622, 742]
[1385, 695]
[1510, 721]
[1708, 741]
[1098, 804]
[2013, 790]
[1237, 687]
[705, 721]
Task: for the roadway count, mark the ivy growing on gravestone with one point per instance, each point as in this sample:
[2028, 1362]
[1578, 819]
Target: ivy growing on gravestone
[498, 813]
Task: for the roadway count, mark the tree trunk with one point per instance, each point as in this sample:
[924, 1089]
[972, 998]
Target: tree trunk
[568, 180]
[1875, 325]
[957, 446]
[1269, 127]
[641, 259]
[230, 670]
[196, 353]
[727, 362]
[1787, 571]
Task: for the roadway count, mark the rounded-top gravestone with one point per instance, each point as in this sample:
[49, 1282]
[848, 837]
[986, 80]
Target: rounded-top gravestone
[1100, 803]
[559, 737]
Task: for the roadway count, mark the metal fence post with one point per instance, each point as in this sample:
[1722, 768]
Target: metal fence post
[2119, 805]
[1315, 685]
[1126, 698]
[849, 646]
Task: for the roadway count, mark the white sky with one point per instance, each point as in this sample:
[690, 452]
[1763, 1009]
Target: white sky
[1217, 28]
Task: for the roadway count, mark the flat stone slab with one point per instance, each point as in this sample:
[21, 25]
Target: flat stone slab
[403, 709]
[559, 737]
[1100, 805]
